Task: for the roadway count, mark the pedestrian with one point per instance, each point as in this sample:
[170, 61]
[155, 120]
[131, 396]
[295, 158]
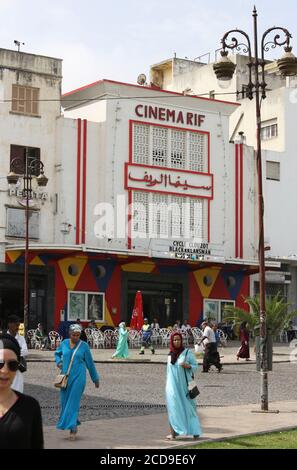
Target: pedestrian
[41, 337]
[244, 336]
[182, 415]
[20, 415]
[83, 335]
[122, 346]
[146, 337]
[71, 396]
[13, 330]
[217, 335]
[155, 325]
[211, 355]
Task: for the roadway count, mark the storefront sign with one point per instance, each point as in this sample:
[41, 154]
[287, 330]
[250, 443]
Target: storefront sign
[189, 250]
[21, 193]
[169, 115]
[185, 183]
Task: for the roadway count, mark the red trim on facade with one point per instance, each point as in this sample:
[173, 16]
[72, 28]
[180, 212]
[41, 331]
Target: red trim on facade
[241, 202]
[176, 128]
[158, 90]
[236, 200]
[84, 181]
[129, 219]
[208, 222]
[78, 165]
[130, 140]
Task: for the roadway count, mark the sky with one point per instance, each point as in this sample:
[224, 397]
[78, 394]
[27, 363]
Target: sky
[118, 40]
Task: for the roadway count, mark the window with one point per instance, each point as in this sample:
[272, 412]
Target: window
[171, 148]
[25, 100]
[161, 215]
[244, 93]
[268, 132]
[22, 154]
[214, 309]
[16, 223]
[86, 306]
[273, 171]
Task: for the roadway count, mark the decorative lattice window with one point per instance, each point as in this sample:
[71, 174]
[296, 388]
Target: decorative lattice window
[177, 216]
[197, 152]
[159, 215]
[178, 149]
[140, 214]
[159, 146]
[197, 222]
[141, 144]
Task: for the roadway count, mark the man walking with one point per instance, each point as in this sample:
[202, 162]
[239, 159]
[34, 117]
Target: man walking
[211, 355]
[146, 337]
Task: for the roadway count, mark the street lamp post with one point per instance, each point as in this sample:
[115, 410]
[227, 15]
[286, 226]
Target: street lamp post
[224, 70]
[32, 167]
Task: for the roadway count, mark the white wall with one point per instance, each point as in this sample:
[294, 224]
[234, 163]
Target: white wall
[43, 73]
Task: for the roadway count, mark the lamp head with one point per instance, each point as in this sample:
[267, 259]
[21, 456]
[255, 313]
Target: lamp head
[42, 180]
[12, 178]
[224, 68]
[287, 64]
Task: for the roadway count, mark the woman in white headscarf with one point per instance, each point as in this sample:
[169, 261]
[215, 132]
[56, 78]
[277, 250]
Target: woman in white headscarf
[122, 346]
[71, 396]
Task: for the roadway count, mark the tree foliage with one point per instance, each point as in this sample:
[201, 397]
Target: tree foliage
[278, 313]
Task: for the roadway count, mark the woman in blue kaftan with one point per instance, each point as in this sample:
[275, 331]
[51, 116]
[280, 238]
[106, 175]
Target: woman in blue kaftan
[71, 396]
[122, 346]
[182, 414]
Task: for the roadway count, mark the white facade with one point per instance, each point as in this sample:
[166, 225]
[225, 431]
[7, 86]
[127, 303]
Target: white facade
[278, 115]
[38, 131]
[108, 157]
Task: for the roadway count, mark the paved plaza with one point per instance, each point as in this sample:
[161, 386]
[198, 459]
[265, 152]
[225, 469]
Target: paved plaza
[128, 410]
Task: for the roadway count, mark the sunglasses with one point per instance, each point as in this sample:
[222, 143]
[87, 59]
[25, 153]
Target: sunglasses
[12, 365]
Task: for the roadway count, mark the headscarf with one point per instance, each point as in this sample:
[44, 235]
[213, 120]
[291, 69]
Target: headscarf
[75, 328]
[9, 342]
[174, 352]
[122, 324]
[243, 325]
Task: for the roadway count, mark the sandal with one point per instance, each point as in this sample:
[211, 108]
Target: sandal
[170, 437]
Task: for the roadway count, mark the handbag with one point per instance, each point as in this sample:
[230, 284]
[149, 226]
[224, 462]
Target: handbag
[61, 380]
[193, 390]
[22, 364]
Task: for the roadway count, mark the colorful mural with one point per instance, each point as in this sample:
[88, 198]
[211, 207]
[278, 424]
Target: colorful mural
[102, 273]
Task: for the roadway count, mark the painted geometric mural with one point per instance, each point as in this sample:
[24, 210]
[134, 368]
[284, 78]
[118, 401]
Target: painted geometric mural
[99, 273]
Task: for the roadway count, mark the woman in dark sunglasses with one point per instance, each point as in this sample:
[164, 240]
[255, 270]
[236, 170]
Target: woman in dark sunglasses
[20, 415]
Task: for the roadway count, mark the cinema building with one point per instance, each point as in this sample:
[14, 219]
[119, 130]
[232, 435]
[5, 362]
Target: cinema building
[146, 194]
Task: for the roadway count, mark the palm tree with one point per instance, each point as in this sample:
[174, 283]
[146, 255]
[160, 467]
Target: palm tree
[277, 313]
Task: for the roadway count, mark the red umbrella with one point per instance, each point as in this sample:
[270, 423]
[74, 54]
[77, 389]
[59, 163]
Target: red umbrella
[137, 313]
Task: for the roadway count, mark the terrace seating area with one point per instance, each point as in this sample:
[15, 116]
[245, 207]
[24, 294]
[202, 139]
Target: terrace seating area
[108, 338]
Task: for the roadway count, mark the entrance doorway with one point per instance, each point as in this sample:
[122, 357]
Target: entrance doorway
[160, 300]
[12, 299]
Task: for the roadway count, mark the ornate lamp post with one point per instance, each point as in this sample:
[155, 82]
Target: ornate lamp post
[33, 167]
[224, 70]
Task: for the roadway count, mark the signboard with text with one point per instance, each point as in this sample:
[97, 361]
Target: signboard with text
[168, 181]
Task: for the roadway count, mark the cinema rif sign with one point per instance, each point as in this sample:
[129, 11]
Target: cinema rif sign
[168, 181]
[169, 115]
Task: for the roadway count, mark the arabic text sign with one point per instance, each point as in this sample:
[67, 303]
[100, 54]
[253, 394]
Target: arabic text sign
[165, 180]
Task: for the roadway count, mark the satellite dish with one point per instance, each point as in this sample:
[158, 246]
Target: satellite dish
[141, 79]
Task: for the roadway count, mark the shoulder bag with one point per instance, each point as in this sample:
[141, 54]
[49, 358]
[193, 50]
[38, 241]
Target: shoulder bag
[193, 391]
[61, 380]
